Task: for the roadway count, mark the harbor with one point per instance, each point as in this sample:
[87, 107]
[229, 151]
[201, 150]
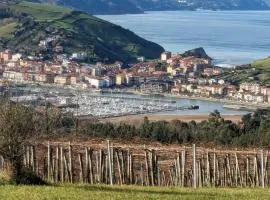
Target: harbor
[113, 106]
[91, 103]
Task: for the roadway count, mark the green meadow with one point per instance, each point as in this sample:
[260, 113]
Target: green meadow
[127, 192]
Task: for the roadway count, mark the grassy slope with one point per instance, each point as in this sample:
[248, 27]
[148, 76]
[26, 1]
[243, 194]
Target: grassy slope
[260, 70]
[7, 29]
[42, 12]
[262, 64]
[85, 32]
[126, 192]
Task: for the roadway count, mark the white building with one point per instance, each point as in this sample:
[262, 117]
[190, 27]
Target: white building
[251, 87]
[166, 55]
[11, 75]
[16, 57]
[96, 82]
[221, 82]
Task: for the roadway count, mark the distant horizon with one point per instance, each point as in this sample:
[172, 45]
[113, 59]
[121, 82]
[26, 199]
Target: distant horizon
[231, 40]
[168, 11]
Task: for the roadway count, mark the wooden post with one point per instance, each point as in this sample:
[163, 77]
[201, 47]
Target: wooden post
[183, 161]
[128, 166]
[178, 169]
[106, 169]
[121, 158]
[97, 167]
[31, 165]
[53, 168]
[229, 169]
[27, 157]
[262, 169]
[199, 175]
[218, 174]
[247, 175]
[171, 177]
[57, 164]
[90, 155]
[33, 158]
[237, 171]
[119, 167]
[61, 164]
[67, 172]
[100, 166]
[146, 166]
[131, 168]
[112, 163]
[207, 169]
[87, 165]
[48, 161]
[265, 168]
[81, 167]
[214, 169]
[141, 174]
[24, 156]
[194, 166]
[256, 177]
[158, 176]
[109, 162]
[70, 163]
[151, 167]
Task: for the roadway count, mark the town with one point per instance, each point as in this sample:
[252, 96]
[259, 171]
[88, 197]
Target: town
[191, 74]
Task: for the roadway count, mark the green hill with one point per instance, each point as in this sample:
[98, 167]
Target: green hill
[258, 71]
[262, 64]
[23, 25]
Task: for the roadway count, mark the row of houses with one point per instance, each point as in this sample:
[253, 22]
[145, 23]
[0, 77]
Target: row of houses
[200, 90]
[247, 92]
[178, 64]
[39, 77]
[136, 79]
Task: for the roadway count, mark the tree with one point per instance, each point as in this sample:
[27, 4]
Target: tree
[17, 126]
[52, 120]
[215, 114]
[145, 128]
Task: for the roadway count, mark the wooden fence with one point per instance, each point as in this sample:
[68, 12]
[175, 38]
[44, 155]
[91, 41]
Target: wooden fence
[183, 167]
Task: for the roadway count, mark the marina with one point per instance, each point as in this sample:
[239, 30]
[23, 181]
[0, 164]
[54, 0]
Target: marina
[113, 106]
[105, 105]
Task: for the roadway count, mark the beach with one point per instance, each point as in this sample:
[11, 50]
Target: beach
[137, 119]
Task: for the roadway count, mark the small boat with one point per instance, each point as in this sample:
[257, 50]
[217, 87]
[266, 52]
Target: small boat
[194, 107]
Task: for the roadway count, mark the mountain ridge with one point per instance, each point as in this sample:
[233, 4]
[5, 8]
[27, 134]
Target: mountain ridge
[140, 6]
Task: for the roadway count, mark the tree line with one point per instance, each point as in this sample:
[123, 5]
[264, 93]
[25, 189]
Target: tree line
[254, 130]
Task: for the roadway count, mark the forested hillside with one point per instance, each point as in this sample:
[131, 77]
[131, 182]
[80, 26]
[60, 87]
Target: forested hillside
[25, 24]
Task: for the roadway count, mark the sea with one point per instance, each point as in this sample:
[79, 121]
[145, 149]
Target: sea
[229, 37]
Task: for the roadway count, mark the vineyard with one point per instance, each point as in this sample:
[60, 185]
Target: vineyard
[114, 164]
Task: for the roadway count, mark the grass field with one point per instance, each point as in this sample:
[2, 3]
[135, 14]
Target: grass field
[126, 192]
[7, 29]
[262, 64]
[42, 12]
[258, 71]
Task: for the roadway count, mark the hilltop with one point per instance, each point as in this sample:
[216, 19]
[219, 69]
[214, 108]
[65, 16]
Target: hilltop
[25, 24]
[139, 6]
[198, 53]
